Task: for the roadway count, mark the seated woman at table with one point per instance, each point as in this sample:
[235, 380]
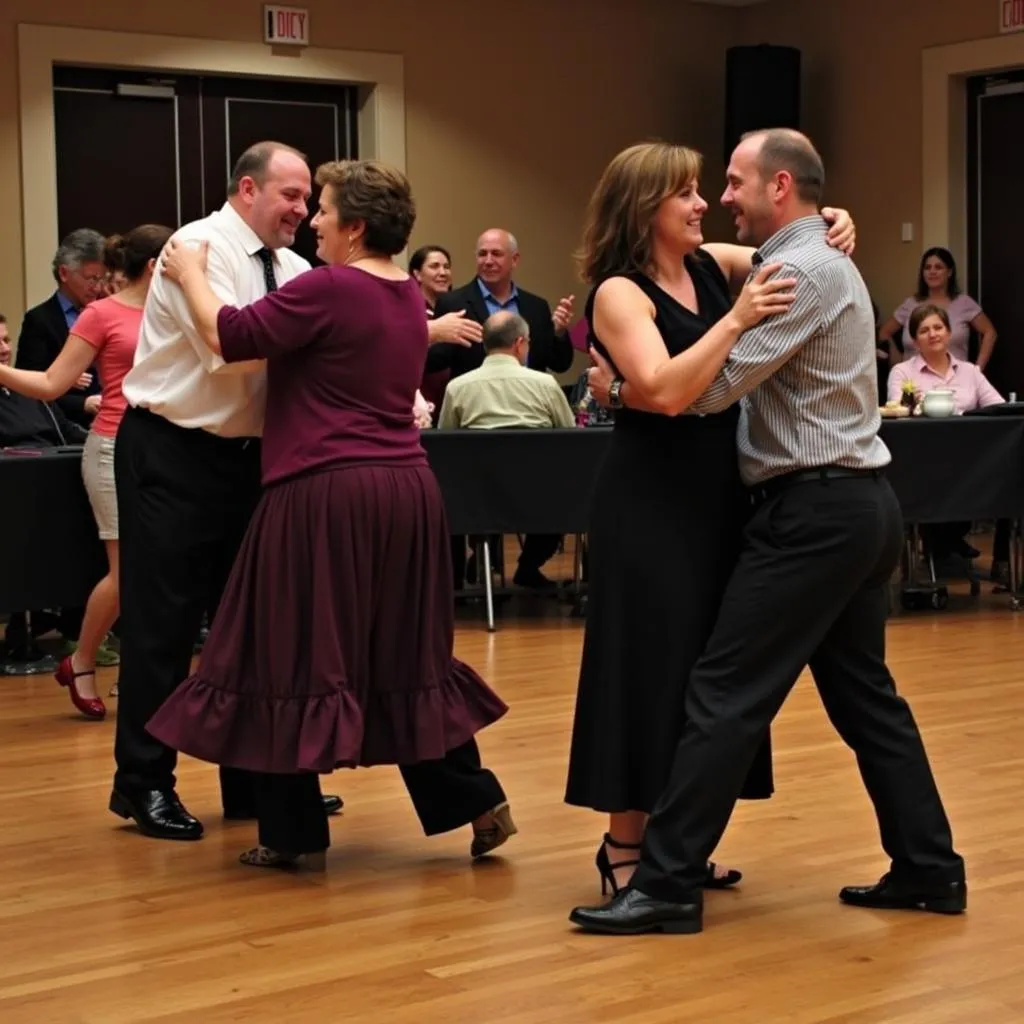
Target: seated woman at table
[332, 646]
[105, 334]
[934, 366]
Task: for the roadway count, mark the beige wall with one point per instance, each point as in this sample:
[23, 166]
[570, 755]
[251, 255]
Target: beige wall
[508, 121]
[862, 106]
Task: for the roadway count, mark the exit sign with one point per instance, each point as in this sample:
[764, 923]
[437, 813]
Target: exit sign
[1011, 15]
[285, 26]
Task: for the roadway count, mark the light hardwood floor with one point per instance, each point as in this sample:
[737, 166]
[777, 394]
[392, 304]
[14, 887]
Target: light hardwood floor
[101, 926]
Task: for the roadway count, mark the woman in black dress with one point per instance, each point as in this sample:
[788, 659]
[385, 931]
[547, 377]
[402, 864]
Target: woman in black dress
[669, 505]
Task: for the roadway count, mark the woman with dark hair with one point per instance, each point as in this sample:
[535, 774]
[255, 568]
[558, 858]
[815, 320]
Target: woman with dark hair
[669, 507]
[332, 646]
[105, 334]
[937, 284]
[431, 266]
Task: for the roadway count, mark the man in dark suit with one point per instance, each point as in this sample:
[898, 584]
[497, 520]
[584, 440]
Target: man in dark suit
[80, 275]
[493, 291]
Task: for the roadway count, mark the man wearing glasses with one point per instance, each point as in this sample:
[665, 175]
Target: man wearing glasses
[80, 275]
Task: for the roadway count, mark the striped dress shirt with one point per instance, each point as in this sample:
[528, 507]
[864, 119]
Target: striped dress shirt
[807, 377]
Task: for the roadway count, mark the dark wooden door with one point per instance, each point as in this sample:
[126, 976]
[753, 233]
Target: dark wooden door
[137, 147]
[996, 219]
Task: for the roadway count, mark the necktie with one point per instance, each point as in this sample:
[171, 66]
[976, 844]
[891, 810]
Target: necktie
[267, 259]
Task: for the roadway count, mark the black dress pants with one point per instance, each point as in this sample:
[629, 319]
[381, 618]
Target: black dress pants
[446, 794]
[185, 498]
[809, 589]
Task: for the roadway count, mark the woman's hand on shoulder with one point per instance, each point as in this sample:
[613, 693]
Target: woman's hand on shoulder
[842, 232]
[763, 296]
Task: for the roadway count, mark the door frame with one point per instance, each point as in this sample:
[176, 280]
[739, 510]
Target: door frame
[944, 74]
[380, 77]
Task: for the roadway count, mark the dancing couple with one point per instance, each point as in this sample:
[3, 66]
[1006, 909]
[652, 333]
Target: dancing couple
[744, 496]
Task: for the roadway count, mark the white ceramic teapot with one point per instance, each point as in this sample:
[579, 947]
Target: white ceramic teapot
[940, 402]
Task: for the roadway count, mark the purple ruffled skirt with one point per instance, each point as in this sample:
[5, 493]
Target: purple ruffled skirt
[332, 645]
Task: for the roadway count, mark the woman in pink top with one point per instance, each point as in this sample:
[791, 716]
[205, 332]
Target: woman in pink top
[937, 285]
[106, 334]
[934, 366]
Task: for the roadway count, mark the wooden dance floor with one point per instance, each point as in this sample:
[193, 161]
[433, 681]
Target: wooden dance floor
[102, 926]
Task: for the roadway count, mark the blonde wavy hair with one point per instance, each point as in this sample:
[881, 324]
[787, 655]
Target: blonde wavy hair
[617, 234]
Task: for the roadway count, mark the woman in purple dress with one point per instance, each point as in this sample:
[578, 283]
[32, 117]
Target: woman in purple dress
[332, 646]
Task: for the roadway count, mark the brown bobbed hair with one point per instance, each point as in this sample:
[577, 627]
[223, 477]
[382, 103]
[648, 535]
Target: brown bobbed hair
[921, 313]
[375, 193]
[618, 232]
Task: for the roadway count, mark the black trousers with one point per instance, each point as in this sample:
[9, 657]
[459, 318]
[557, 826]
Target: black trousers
[446, 795]
[809, 589]
[184, 498]
[537, 549]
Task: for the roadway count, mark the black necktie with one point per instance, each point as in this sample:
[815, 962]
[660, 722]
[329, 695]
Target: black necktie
[267, 259]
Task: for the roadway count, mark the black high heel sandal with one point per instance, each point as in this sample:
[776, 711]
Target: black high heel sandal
[607, 870]
[729, 879]
[605, 867]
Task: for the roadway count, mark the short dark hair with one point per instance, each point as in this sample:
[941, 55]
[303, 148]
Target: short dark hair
[784, 149]
[131, 253]
[375, 193]
[419, 257]
[253, 163]
[921, 313]
[952, 285]
[503, 330]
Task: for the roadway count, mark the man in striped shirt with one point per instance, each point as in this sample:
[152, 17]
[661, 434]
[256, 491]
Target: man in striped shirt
[809, 588]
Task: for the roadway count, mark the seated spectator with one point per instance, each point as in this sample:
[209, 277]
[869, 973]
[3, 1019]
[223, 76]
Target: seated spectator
[933, 366]
[504, 392]
[81, 277]
[25, 423]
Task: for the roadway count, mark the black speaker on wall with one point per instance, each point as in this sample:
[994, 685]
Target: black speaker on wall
[762, 90]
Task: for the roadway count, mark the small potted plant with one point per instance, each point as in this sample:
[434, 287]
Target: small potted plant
[908, 396]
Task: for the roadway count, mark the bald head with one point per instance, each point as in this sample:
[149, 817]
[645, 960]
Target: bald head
[777, 150]
[497, 256]
[507, 332]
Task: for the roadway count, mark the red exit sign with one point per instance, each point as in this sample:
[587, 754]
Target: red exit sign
[285, 26]
[1011, 15]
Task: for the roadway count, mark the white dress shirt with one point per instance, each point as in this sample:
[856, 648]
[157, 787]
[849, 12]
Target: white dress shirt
[174, 374]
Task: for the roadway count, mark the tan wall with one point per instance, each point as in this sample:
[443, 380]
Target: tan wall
[509, 120]
[862, 106]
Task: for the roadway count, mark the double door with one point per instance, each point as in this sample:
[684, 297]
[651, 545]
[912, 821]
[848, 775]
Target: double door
[138, 147]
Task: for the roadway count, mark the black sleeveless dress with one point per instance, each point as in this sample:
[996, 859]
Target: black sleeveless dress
[665, 532]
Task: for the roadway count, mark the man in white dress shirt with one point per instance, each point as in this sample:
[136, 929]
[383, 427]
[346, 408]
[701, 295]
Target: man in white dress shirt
[188, 477]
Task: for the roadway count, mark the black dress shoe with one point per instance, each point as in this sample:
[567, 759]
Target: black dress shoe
[634, 913]
[158, 813]
[332, 804]
[890, 894]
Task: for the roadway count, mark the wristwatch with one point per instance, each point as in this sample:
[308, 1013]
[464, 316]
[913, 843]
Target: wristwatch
[615, 394]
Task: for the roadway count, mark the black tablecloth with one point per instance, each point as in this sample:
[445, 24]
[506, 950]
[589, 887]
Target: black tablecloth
[51, 556]
[957, 468]
[504, 481]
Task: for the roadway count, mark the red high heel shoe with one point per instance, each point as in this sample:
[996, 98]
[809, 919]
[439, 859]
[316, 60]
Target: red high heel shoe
[91, 707]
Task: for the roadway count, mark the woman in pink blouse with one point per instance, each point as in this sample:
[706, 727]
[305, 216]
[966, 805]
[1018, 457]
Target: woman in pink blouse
[935, 366]
[937, 285]
[105, 334]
